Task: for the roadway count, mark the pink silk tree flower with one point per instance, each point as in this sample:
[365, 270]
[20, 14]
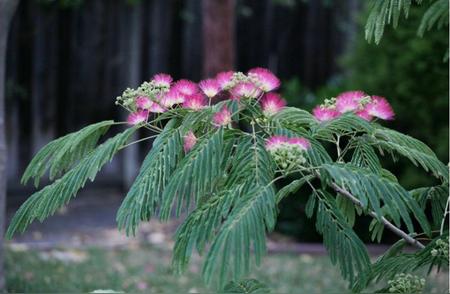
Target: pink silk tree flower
[186, 87]
[210, 87]
[364, 115]
[162, 80]
[157, 108]
[349, 101]
[195, 102]
[143, 102]
[225, 79]
[302, 143]
[222, 117]
[245, 90]
[267, 81]
[137, 117]
[272, 103]
[325, 114]
[276, 142]
[380, 107]
[171, 98]
[189, 141]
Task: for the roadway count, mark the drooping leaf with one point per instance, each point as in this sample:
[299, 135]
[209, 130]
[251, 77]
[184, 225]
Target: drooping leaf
[229, 255]
[59, 155]
[435, 16]
[47, 201]
[252, 214]
[343, 245]
[344, 125]
[145, 195]
[292, 187]
[411, 148]
[373, 190]
[200, 226]
[196, 174]
[396, 261]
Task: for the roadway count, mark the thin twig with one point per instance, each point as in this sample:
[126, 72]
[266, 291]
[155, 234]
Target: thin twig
[385, 222]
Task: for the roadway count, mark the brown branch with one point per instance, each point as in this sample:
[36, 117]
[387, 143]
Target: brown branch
[386, 223]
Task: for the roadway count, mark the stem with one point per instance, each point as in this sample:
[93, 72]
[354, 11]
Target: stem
[137, 141]
[441, 231]
[338, 148]
[386, 223]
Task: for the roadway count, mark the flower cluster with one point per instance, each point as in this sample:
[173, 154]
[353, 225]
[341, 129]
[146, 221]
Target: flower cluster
[288, 153]
[161, 93]
[358, 102]
[406, 283]
[441, 248]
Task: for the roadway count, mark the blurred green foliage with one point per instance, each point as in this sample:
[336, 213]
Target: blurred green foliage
[410, 72]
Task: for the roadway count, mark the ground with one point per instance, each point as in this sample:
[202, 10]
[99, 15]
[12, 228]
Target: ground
[80, 250]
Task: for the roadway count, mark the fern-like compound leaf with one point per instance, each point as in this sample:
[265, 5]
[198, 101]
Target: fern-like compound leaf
[61, 154]
[47, 201]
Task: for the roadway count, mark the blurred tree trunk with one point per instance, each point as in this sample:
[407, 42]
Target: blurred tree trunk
[218, 36]
[7, 9]
[131, 32]
[191, 40]
[41, 108]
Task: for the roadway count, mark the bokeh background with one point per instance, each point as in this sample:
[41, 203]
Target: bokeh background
[67, 60]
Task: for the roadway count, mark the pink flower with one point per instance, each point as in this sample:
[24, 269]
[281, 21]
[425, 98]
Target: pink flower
[162, 80]
[245, 90]
[171, 98]
[186, 87]
[364, 115]
[210, 87]
[195, 102]
[156, 108]
[189, 141]
[224, 79]
[379, 107]
[137, 117]
[276, 142]
[222, 118]
[143, 102]
[349, 101]
[267, 81]
[324, 114]
[272, 103]
[302, 143]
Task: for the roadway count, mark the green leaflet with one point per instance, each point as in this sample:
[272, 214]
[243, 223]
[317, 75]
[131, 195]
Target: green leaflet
[394, 261]
[59, 155]
[195, 175]
[200, 226]
[384, 12]
[345, 124]
[411, 148]
[250, 162]
[252, 213]
[145, 194]
[343, 245]
[436, 197]
[371, 189]
[45, 202]
[364, 156]
[291, 117]
[292, 187]
[436, 15]
[230, 250]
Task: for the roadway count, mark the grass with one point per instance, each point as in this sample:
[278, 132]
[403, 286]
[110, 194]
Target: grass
[147, 269]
